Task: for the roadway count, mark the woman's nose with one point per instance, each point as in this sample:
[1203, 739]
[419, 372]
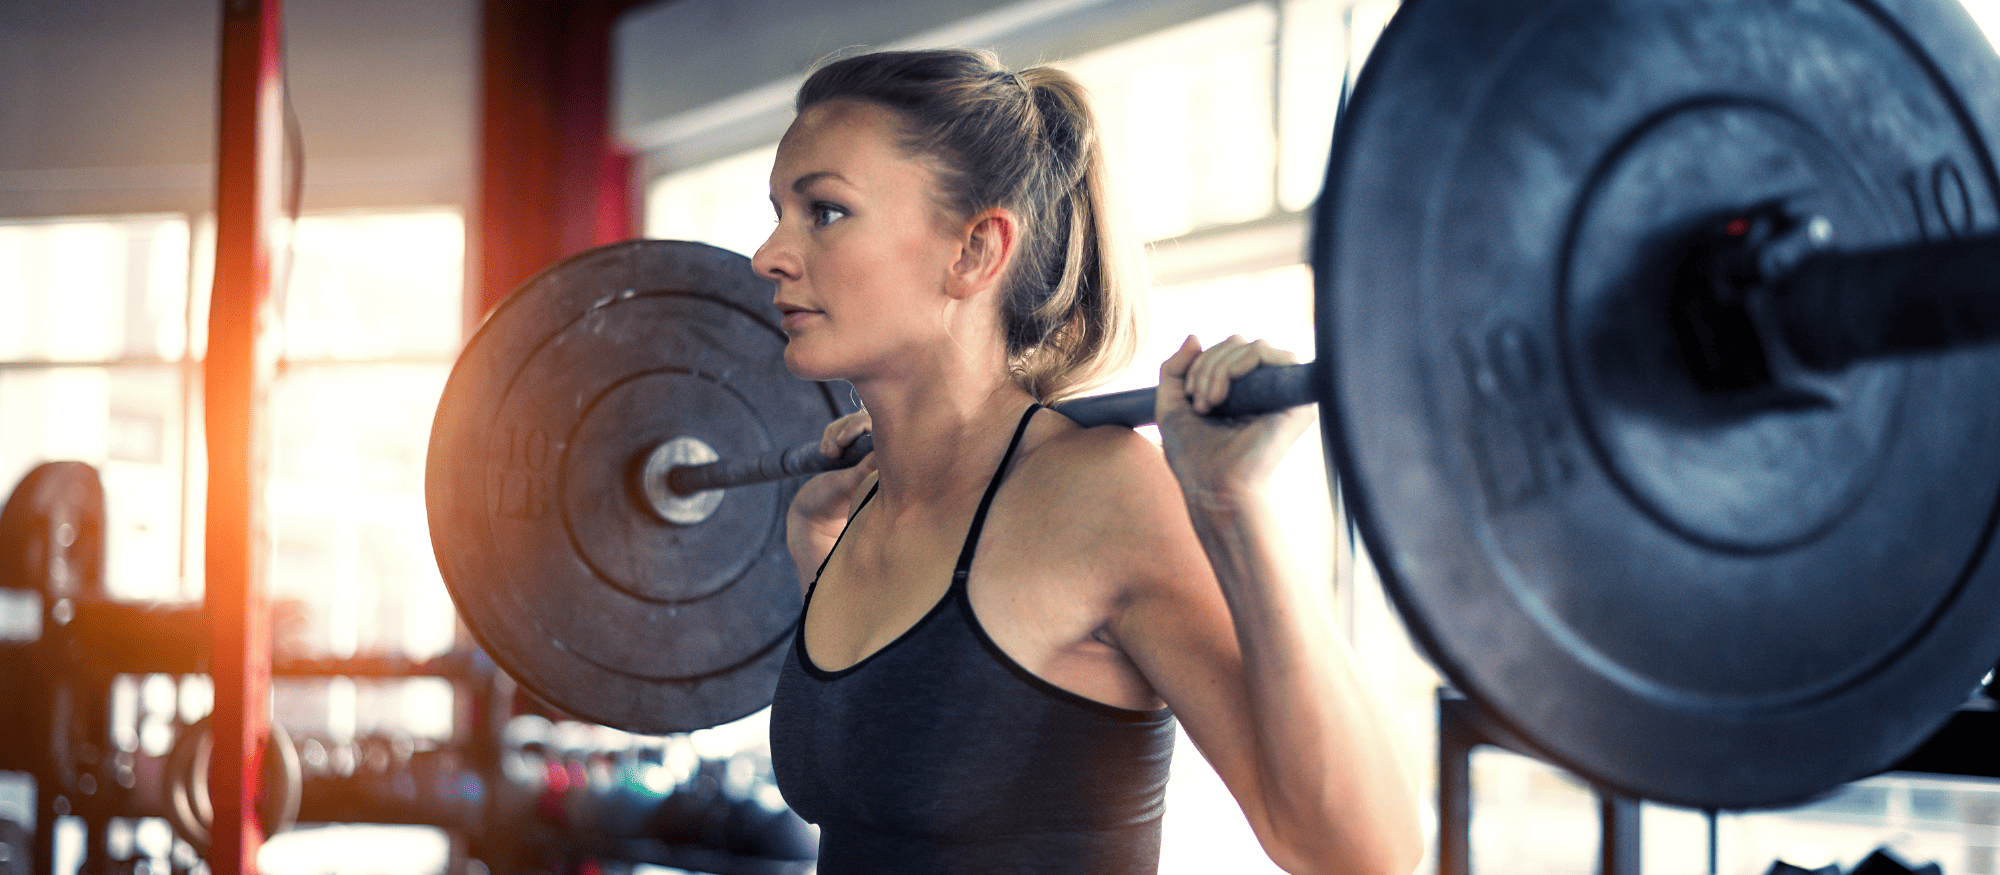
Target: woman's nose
[773, 260]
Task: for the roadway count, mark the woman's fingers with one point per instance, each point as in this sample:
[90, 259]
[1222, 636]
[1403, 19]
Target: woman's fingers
[842, 432]
[1213, 457]
[1201, 375]
[1173, 394]
[1202, 378]
[1221, 365]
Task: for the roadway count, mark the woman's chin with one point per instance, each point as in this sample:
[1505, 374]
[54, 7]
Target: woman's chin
[806, 366]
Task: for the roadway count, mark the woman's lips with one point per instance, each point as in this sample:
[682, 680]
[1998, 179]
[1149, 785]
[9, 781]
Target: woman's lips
[793, 317]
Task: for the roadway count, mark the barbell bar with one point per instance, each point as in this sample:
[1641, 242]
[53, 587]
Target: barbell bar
[1832, 308]
[1265, 390]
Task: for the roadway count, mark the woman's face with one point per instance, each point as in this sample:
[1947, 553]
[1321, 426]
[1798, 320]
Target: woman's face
[861, 251]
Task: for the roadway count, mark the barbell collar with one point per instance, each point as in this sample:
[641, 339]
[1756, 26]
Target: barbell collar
[680, 508]
[1265, 390]
[1759, 290]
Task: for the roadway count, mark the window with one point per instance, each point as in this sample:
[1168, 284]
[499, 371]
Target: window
[95, 366]
[370, 328]
[101, 342]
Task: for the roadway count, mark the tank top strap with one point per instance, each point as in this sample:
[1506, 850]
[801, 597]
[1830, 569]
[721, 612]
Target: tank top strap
[837, 539]
[964, 567]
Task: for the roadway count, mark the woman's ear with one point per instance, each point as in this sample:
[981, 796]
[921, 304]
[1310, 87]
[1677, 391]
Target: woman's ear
[986, 248]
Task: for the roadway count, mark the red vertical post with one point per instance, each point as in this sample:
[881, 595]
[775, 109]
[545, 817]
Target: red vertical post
[552, 179]
[250, 153]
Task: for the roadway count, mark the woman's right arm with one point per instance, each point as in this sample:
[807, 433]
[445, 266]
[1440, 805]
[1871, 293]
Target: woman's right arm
[823, 504]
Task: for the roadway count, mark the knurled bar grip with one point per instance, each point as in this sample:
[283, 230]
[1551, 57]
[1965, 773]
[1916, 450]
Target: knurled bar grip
[1266, 390]
[797, 461]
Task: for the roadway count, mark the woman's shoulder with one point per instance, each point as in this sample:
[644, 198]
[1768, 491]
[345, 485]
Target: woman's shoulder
[1105, 450]
[1106, 496]
[1109, 469]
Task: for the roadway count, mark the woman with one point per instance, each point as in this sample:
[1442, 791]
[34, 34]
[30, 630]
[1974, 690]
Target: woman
[1005, 612]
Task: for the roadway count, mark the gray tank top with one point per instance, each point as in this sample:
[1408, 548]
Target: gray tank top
[941, 754]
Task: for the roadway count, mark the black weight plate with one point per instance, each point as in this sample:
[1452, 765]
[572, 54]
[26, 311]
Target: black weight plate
[1694, 598]
[52, 532]
[557, 564]
[16, 849]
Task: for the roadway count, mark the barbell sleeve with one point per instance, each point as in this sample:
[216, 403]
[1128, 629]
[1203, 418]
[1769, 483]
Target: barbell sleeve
[1842, 307]
[1265, 390]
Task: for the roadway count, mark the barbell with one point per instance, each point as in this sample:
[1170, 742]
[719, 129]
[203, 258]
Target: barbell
[1651, 363]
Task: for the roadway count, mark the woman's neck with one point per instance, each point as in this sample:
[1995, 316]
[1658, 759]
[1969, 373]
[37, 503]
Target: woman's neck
[936, 433]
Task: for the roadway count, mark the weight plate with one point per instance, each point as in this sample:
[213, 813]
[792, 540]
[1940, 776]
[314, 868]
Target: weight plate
[52, 532]
[16, 849]
[540, 521]
[190, 808]
[1692, 597]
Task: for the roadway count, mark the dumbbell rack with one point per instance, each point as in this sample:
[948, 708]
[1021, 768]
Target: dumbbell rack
[65, 740]
[64, 735]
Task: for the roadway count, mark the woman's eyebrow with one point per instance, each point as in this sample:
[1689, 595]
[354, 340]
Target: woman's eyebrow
[799, 185]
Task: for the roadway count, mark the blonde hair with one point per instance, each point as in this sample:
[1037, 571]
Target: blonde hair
[1028, 143]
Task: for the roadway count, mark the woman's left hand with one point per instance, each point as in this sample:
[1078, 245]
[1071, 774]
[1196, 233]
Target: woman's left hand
[1218, 459]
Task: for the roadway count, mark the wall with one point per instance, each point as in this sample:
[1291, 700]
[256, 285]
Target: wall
[695, 80]
[108, 106]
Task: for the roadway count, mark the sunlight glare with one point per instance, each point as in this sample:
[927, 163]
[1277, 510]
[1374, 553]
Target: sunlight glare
[1986, 13]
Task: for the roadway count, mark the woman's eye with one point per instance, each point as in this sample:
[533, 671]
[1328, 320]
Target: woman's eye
[827, 214]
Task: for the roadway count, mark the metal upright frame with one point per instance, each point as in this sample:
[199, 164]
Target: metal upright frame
[1962, 747]
[1461, 728]
[250, 148]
